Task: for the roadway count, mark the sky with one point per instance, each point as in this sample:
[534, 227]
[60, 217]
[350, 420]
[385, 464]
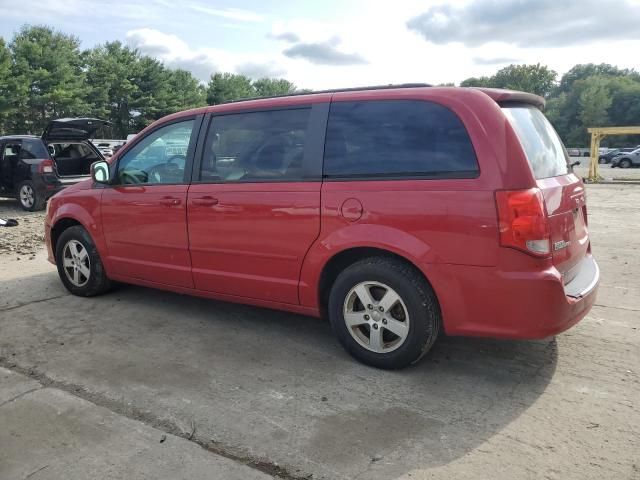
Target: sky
[342, 43]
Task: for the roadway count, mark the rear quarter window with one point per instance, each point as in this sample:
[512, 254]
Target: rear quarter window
[33, 149]
[397, 138]
[542, 145]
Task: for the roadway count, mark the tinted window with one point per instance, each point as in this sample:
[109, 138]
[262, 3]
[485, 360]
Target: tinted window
[160, 157]
[542, 145]
[11, 150]
[256, 146]
[397, 138]
[33, 148]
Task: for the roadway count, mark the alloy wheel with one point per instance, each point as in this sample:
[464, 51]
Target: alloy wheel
[27, 196]
[376, 317]
[76, 263]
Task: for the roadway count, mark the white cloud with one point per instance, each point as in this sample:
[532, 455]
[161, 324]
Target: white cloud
[229, 13]
[202, 62]
[393, 52]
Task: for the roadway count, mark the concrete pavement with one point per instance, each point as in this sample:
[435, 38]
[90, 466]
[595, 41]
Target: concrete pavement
[49, 433]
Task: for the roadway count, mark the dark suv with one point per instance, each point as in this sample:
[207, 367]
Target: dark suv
[396, 212]
[34, 168]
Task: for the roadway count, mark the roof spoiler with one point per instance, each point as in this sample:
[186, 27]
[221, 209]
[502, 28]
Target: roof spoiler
[501, 96]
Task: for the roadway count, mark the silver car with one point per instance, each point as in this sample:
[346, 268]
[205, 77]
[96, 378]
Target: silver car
[627, 160]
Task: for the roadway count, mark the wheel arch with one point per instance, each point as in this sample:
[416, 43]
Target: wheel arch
[347, 257]
[70, 214]
[60, 226]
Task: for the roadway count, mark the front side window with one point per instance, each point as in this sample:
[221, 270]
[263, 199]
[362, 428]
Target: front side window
[159, 158]
[256, 146]
[397, 138]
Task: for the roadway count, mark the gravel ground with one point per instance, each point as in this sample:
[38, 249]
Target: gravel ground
[26, 239]
[608, 173]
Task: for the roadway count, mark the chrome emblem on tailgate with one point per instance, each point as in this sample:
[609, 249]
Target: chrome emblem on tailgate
[560, 245]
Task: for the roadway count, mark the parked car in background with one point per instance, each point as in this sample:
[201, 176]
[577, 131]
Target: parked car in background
[578, 152]
[574, 152]
[105, 149]
[607, 156]
[627, 159]
[398, 212]
[34, 168]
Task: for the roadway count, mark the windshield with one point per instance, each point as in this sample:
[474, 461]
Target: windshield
[542, 145]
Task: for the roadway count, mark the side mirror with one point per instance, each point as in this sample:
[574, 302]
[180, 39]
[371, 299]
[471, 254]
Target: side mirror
[100, 172]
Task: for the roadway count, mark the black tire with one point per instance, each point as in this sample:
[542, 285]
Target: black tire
[624, 163]
[30, 199]
[416, 294]
[602, 160]
[97, 282]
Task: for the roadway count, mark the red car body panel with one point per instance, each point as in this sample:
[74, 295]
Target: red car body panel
[145, 228]
[267, 244]
[250, 239]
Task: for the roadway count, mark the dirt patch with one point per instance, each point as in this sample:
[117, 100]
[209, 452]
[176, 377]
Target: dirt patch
[27, 238]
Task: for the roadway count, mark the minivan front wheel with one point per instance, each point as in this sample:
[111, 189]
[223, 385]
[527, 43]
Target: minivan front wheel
[79, 265]
[625, 163]
[30, 199]
[384, 312]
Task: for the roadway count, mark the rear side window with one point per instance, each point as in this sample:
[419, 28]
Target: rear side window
[542, 145]
[256, 146]
[397, 138]
[33, 149]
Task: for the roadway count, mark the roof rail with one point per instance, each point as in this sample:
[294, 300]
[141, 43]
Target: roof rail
[335, 90]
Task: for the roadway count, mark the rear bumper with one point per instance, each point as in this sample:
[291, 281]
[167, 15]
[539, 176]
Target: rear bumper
[49, 185]
[488, 302]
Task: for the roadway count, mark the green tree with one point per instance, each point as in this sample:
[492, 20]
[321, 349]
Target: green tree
[586, 70]
[152, 94]
[268, 87]
[224, 87]
[476, 82]
[47, 77]
[6, 92]
[112, 74]
[185, 91]
[595, 100]
[536, 79]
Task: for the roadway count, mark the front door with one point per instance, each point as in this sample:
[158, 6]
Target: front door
[254, 210]
[9, 155]
[144, 214]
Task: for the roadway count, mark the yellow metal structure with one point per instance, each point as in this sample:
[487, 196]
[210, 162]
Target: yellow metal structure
[597, 134]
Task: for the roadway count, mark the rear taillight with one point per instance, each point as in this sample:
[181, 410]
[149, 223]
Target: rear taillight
[46, 166]
[523, 221]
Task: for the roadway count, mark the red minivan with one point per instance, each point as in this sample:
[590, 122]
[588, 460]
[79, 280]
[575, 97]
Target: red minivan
[398, 212]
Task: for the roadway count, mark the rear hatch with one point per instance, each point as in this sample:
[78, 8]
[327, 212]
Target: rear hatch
[78, 129]
[563, 191]
[68, 142]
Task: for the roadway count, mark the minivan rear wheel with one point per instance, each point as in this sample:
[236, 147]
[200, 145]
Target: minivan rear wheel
[384, 312]
[79, 265]
[30, 199]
